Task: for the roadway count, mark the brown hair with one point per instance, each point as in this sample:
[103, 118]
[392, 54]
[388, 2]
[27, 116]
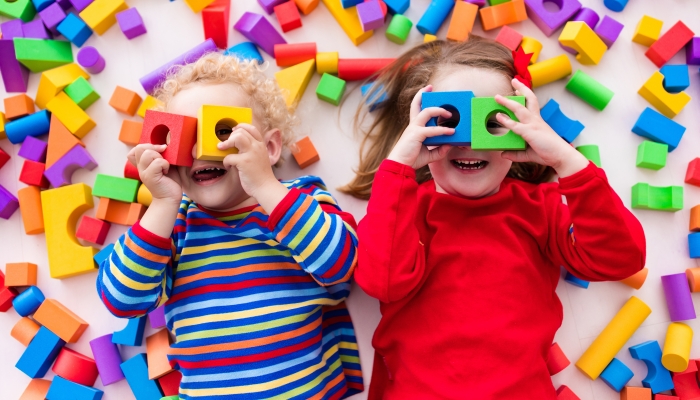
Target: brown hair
[400, 81]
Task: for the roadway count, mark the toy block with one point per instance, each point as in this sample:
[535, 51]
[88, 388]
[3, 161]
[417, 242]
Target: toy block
[460, 105]
[327, 62]
[694, 225]
[33, 174]
[564, 126]
[24, 330]
[4, 157]
[74, 29]
[306, 6]
[107, 359]
[693, 245]
[15, 76]
[427, 38]
[616, 375]
[693, 275]
[618, 331]
[150, 81]
[549, 21]
[397, 6]
[462, 21]
[63, 389]
[676, 354]
[35, 30]
[40, 354]
[556, 359]
[372, 16]
[257, 29]
[131, 23]
[350, 22]
[39, 55]
[12, 29]
[72, 116]
[2, 133]
[149, 103]
[305, 153]
[60, 173]
[51, 16]
[18, 106]
[484, 108]
[20, 274]
[30, 207]
[103, 254]
[125, 100]
[589, 90]
[685, 384]
[659, 198]
[100, 15]
[75, 367]
[131, 172]
[666, 397]
[652, 155]
[245, 51]
[18, 9]
[119, 212]
[136, 372]
[398, 29]
[183, 135]
[503, 14]
[32, 149]
[36, 390]
[635, 393]
[7, 294]
[692, 174]
[36, 124]
[41, 4]
[269, 5]
[93, 230]
[53, 81]
[60, 142]
[608, 30]
[157, 318]
[647, 31]
[114, 187]
[60, 320]
[144, 196]
[569, 278]
[79, 5]
[292, 54]
[676, 77]
[170, 383]
[358, 69]
[375, 96]
[591, 152]
[564, 393]
[669, 44]
[330, 89]
[208, 118]
[28, 301]
[198, 5]
[658, 378]
[434, 16]
[90, 59]
[669, 104]
[294, 80]
[8, 205]
[344, 3]
[657, 127]
[615, 5]
[132, 334]
[509, 37]
[550, 70]
[130, 132]
[580, 37]
[82, 93]
[588, 16]
[157, 348]
[288, 16]
[215, 21]
[692, 52]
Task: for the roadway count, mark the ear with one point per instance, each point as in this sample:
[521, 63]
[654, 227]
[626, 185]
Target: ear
[273, 138]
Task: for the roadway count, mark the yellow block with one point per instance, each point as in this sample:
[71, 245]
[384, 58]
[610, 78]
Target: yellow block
[580, 37]
[148, 103]
[679, 338]
[144, 196]
[73, 117]
[647, 31]
[100, 15]
[2, 126]
[294, 80]
[668, 104]
[62, 207]
[429, 38]
[207, 119]
[53, 81]
[551, 70]
[198, 5]
[532, 46]
[348, 20]
[327, 62]
[611, 340]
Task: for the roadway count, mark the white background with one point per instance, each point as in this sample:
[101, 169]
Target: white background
[173, 29]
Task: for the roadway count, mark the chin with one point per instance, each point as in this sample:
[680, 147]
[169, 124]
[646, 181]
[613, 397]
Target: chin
[214, 187]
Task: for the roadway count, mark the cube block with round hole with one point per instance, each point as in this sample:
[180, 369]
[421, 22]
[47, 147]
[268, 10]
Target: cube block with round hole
[484, 108]
[209, 117]
[181, 129]
[460, 105]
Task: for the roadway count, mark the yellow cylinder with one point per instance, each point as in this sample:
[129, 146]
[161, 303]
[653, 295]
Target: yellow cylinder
[679, 338]
[327, 62]
[532, 46]
[551, 70]
[144, 196]
[613, 337]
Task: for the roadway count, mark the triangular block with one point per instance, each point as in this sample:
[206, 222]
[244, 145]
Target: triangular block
[294, 80]
[60, 141]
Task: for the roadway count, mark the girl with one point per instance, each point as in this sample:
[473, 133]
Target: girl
[464, 254]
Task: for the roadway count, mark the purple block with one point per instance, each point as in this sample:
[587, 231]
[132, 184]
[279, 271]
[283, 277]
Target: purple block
[153, 79]
[131, 23]
[269, 5]
[588, 16]
[257, 29]
[80, 5]
[692, 52]
[14, 75]
[678, 298]
[550, 21]
[90, 59]
[60, 173]
[52, 16]
[157, 317]
[609, 30]
[371, 16]
[12, 29]
[65, 4]
[36, 30]
[8, 203]
[480, 3]
[108, 359]
[33, 149]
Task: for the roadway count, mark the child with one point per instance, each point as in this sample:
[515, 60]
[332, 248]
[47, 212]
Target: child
[253, 272]
[465, 264]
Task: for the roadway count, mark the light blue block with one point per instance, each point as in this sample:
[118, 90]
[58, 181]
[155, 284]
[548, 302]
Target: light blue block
[28, 301]
[658, 378]
[459, 102]
[576, 281]
[104, 253]
[657, 127]
[36, 124]
[374, 100]
[676, 77]
[245, 51]
[564, 126]
[41, 4]
[132, 334]
[616, 375]
[397, 6]
[693, 245]
[434, 16]
[136, 372]
[63, 389]
[40, 354]
[74, 29]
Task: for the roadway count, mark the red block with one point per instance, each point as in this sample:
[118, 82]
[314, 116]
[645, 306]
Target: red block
[4, 157]
[75, 367]
[93, 230]
[215, 18]
[692, 174]
[293, 54]
[556, 360]
[6, 294]
[130, 171]
[170, 383]
[509, 37]
[288, 16]
[564, 393]
[183, 135]
[669, 44]
[685, 384]
[668, 397]
[33, 174]
[358, 69]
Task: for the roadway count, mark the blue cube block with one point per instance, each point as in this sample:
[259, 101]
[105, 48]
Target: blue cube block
[36, 124]
[28, 301]
[63, 389]
[616, 375]
[135, 370]
[376, 97]
[657, 127]
[132, 334]
[74, 29]
[576, 281]
[350, 3]
[658, 378]
[104, 253]
[41, 4]
[694, 245]
[40, 354]
[245, 51]
[460, 105]
[676, 77]
[397, 6]
[434, 16]
[564, 126]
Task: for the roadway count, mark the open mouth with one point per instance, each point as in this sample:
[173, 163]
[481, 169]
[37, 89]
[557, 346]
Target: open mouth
[468, 165]
[207, 174]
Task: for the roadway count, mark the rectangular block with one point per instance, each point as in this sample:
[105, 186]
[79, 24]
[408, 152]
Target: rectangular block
[72, 116]
[652, 155]
[462, 21]
[482, 109]
[136, 371]
[15, 76]
[36, 390]
[20, 274]
[63, 389]
[655, 126]
[39, 55]
[114, 187]
[100, 15]
[60, 320]
[157, 348]
[30, 207]
[118, 212]
[53, 81]
[669, 44]
[503, 14]
[40, 354]
[130, 132]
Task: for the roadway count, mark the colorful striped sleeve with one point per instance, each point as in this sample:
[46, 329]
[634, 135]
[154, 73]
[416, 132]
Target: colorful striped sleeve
[321, 237]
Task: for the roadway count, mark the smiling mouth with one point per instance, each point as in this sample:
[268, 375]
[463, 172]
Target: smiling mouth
[469, 164]
[208, 174]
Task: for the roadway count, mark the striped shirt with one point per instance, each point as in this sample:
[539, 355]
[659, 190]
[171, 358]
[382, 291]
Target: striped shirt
[255, 301]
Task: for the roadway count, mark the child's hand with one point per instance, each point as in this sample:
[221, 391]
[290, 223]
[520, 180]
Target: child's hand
[155, 172]
[409, 150]
[545, 146]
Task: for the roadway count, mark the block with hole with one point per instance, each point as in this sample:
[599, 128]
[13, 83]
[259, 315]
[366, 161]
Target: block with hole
[669, 104]
[125, 100]
[82, 93]
[330, 89]
[550, 70]
[591, 152]
[652, 155]
[484, 108]
[305, 153]
[548, 19]
[647, 31]
[214, 124]
[647, 197]
[398, 29]
[178, 131]
[460, 105]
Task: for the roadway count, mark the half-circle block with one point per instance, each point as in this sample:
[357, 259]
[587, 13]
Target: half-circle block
[669, 104]
[60, 173]
[658, 378]
[616, 375]
[564, 126]
[660, 198]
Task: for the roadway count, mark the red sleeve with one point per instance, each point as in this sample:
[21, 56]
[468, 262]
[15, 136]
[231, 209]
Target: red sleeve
[391, 260]
[595, 237]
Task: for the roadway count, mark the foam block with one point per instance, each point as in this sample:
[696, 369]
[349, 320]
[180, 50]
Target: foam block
[509, 37]
[107, 359]
[564, 393]
[358, 69]
[183, 135]
[589, 90]
[75, 367]
[207, 119]
[292, 54]
[103, 254]
[114, 187]
[397, 6]
[20, 274]
[550, 70]
[60, 173]
[28, 301]
[60, 320]
[144, 196]
[549, 21]
[434, 16]
[74, 29]
[257, 29]
[269, 5]
[564, 126]
[482, 139]
[427, 38]
[676, 77]
[63, 389]
[651, 155]
[460, 105]
[398, 29]
[93, 230]
[694, 225]
[132, 334]
[24, 330]
[72, 116]
[130, 132]
[503, 14]
[615, 5]
[41, 4]
[79, 5]
[35, 29]
[556, 360]
[685, 383]
[616, 375]
[125, 101]
[569, 278]
[294, 80]
[149, 103]
[136, 372]
[669, 44]
[36, 390]
[7, 294]
[694, 245]
[288, 16]
[306, 6]
[18, 106]
[15, 76]
[90, 59]
[52, 16]
[32, 149]
[608, 30]
[12, 29]
[40, 354]
[327, 62]
[82, 93]
[154, 78]
[692, 174]
[36, 124]
[375, 96]
[100, 15]
[462, 21]
[580, 37]
[245, 51]
[350, 22]
[370, 14]
[657, 127]
[119, 212]
[2, 135]
[198, 5]
[60, 142]
[330, 89]
[39, 55]
[692, 51]
[658, 378]
[647, 31]
[157, 348]
[669, 104]
[53, 81]
[646, 197]
[130, 171]
[215, 20]
[170, 384]
[676, 354]
[131, 23]
[157, 318]
[18, 9]
[4, 157]
[8, 205]
[33, 174]
[305, 153]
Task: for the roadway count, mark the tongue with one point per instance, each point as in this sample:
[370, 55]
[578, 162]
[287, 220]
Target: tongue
[207, 175]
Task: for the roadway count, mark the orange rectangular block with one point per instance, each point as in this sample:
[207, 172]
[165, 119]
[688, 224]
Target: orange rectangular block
[18, 106]
[36, 390]
[131, 132]
[30, 207]
[695, 219]
[119, 212]
[635, 393]
[503, 14]
[305, 153]
[157, 348]
[20, 274]
[60, 320]
[125, 100]
[462, 21]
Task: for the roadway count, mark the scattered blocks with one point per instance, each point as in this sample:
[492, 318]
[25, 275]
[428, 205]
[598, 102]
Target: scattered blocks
[460, 105]
[125, 101]
[288, 16]
[90, 59]
[647, 31]
[549, 21]
[294, 80]
[74, 29]
[669, 104]
[28, 301]
[482, 109]
[132, 334]
[208, 118]
[131, 23]
[434, 16]
[245, 51]
[33, 174]
[20, 274]
[60, 142]
[18, 106]
[694, 245]
[60, 173]
[616, 375]
[93, 230]
[658, 378]
[330, 89]
[327, 62]
[692, 174]
[39, 55]
[509, 37]
[550, 70]
[157, 348]
[8, 206]
[136, 372]
[130, 132]
[569, 278]
[462, 21]
[107, 359]
[36, 124]
[580, 37]
[676, 354]
[370, 15]
[24, 330]
[676, 77]
[257, 29]
[82, 93]
[350, 22]
[53, 81]
[72, 116]
[652, 155]
[556, 360]
[62, 389]
[659, 198]
[215, 21]
[655, 126]
[119, 212]
[564, 126]
[589, 90]
[591, 152]
[114, 187]
[32, 149]
[305, 153]
[503, 14]
[292, 54]
[398, 29]
[669, 44]
[15, 76]
[608, 30]
[100, 15]
[75, 367]
[40, 354]
[60, 320]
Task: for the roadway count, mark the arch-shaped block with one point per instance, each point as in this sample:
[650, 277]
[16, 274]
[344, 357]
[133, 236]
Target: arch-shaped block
[564, 126]
[669, 104]
[658, 377]
[60, 173]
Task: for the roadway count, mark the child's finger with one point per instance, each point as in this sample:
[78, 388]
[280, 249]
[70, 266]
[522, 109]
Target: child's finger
[531, 102]
[416, 103]
[517, 155]
[508, 123]
[240, 139]
[137, 152]
[252, 130]
[518, 109]
[148, 157]
[158, 166]
[427, 114]
[438, 153]
[431, 131]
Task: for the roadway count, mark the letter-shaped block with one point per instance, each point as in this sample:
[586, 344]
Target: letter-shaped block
[90, 59]
[669, 44]
[28, 301]
[564, 126]
[509, 37]
[53, 81]
[93, 230]
[62, 207]
[100, 15]
[119, 212]
[569, 278]
[293, 54]
[462, 21]
[40, 354]
[608, 30]
[434, 16]
[618, 331]
[652, 155]
[15, 76]
[398, 29]
[375, 96]
[20, 274]
[32, 125]
[215, 18]
[659, 198]
[125, 100]
[8, 204]
[330, 89]
[676, 354]
[616, 375]
[183, 135]
[114, 187]
[72, 116]
[327, 62]
[82, 93]
[132, 334]
[370, 14]
[131, 23]
[294, 80]
[503, 14]
[551, 70]
[198, 5]
[18, 9]
[170, 384]
[549, 21]
[61, 172]
[484, 108]
[24, 330]
[75, 367]
[305, 153]
[18, 106]
[358, 69]
[460, 105]
[589, 90]
[676, 77]
[556, 359]
[257, 29]
[580, 37]
[157, 348]
[652, 125]
[63, 389]
[74, 29]
[647, 31]
[245, 51]
[136, 371]
[130, 133]
[107, 359]
[692, 174]
[153, 79]
[36, 390]
[669, 104]
[288, 16]
[348, 20]
[39, 55]
[658, 378]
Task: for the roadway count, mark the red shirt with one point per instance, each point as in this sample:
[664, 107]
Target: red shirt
[467, 287]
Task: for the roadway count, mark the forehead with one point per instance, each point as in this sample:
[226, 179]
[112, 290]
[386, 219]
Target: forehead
[483, 82]
[189, 100]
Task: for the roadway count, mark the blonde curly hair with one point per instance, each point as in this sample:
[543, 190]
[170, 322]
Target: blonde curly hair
[268, 102]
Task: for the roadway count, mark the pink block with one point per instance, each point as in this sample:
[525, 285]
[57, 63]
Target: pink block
[60, 173]
[509, 37]
[4, 157]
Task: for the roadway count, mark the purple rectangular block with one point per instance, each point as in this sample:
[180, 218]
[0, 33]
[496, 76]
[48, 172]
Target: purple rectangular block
[80, 5]
[14, 75]
[153, 79]
[131, 23]
[370, 14]
[36, 30]
[108, 359]
[33, 149]
[609, 30]
[257, 29]
[269, 5]
[12, 29]
[65, 4]
[52, 16]
[479, 3]
[157, 317]
[692, 51]
[678, 298]
[60, 173]
[8, 203]
[550, 21]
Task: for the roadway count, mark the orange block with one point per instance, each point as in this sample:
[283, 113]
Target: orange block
[20, 274]
[60, 141]
[695, 219]
[18, 106]
[637, 280]
[635, 393]
[305, 153]
[693, 275]
[125, 100]
[503, 14]
[30, 207]
[36, 390]
[306, 6]
[60, 320]
[131, 132]
[24, 330]
[119, 212]
[462, 21]
[157, 348]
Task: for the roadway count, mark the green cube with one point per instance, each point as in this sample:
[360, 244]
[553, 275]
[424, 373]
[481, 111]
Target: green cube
[40, 55]
[652, 155]
[114, 187]
[23, 9]
[647, 197]
[398, 29]
[82, 93]
[484, 108]
[330, 89]
[591, 152]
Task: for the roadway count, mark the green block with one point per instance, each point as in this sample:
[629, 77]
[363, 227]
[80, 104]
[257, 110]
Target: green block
[652, 155]
[40, 55]
[659, 198]
[330, 89]
[484, 108]
[591, 152]
[589, 90]
[82, 93]
[497, 2]
[18, 9]
[114, 187]
[174, 397]
[398, 29]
